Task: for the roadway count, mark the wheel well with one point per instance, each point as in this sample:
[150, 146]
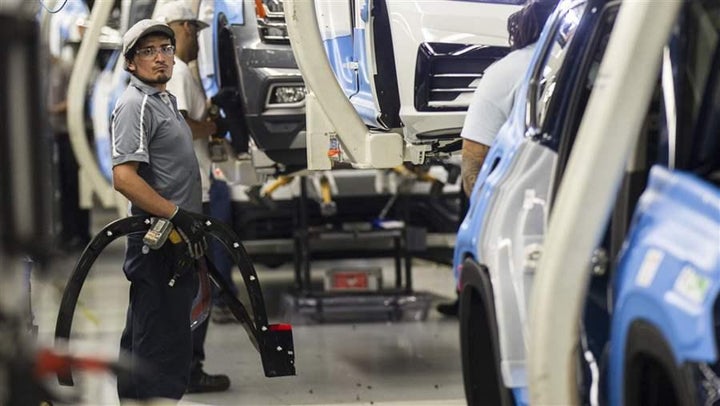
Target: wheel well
[479, 342]
[228, 72]
[648, 381]
[465, 258]
[652, 376]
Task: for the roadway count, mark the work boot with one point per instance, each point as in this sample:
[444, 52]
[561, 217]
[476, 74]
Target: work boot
[449, 309]
[201, 382]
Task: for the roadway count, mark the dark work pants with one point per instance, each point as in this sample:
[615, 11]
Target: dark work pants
[198, 335]
[157, 330]
[220, 207]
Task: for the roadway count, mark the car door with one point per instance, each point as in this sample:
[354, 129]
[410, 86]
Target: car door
[516, 192]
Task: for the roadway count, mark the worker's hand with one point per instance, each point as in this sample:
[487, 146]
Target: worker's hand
[191, 230]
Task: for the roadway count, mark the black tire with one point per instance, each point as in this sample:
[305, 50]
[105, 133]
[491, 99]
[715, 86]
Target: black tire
[652, 377]
[479, 342]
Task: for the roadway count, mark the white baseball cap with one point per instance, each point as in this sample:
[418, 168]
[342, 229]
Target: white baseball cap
[143, 28]
[173, 11]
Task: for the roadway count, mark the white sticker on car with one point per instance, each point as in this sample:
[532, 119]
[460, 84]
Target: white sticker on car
[649, 267]
[692, 285]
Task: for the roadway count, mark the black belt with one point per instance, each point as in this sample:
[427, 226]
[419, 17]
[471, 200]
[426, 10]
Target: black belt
[274, 342]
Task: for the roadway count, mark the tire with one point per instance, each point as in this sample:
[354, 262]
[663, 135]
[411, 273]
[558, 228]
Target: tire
[651, 375]
[479, 342]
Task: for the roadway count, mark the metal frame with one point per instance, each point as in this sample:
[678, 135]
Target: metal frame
[274, 342]
[92, 180]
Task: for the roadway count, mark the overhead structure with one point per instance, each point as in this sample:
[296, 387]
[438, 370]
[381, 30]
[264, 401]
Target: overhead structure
[92, 181]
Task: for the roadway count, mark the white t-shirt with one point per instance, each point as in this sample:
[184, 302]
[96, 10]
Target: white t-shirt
[494, 97]
[191, 98]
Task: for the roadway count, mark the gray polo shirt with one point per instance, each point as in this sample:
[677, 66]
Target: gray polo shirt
[148, 128]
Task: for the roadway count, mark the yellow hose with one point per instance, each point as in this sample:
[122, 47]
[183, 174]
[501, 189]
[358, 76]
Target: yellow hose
[277, 183]
[325, 190]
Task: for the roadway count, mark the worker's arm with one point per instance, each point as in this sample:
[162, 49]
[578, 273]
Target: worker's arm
[127, 181]
[200, 129]
[473, 156]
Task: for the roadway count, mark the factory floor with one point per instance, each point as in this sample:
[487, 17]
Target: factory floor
[350, 362]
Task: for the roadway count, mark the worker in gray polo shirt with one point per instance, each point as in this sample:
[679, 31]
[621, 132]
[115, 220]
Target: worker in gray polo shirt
[154, 166]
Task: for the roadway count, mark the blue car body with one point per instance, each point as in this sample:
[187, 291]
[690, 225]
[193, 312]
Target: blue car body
[347, 50]
[503, 231]
[669, 273]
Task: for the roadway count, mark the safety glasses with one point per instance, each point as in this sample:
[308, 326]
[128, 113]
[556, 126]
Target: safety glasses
[151, 52]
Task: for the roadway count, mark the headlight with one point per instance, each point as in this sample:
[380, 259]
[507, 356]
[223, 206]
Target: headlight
[290, 94]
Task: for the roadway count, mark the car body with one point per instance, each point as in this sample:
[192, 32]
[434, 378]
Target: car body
[247, 52]
[500, 240]
[251, 55]
[412, 66]
[667, 288]
[63, 26]
[644, 173]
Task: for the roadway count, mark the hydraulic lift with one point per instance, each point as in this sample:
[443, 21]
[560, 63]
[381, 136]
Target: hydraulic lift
[274, 342]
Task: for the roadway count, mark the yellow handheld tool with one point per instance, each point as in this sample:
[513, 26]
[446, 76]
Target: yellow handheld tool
[158, 233]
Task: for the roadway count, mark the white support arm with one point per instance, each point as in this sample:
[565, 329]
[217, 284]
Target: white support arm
[76, 104]
[610, 129]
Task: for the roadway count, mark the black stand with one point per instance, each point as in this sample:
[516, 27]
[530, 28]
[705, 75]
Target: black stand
[307, 304]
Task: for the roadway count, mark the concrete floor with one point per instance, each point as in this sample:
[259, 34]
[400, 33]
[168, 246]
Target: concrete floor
[399, 363]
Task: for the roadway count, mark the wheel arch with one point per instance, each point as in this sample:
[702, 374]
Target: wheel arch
[651, 374]
[479, 342]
